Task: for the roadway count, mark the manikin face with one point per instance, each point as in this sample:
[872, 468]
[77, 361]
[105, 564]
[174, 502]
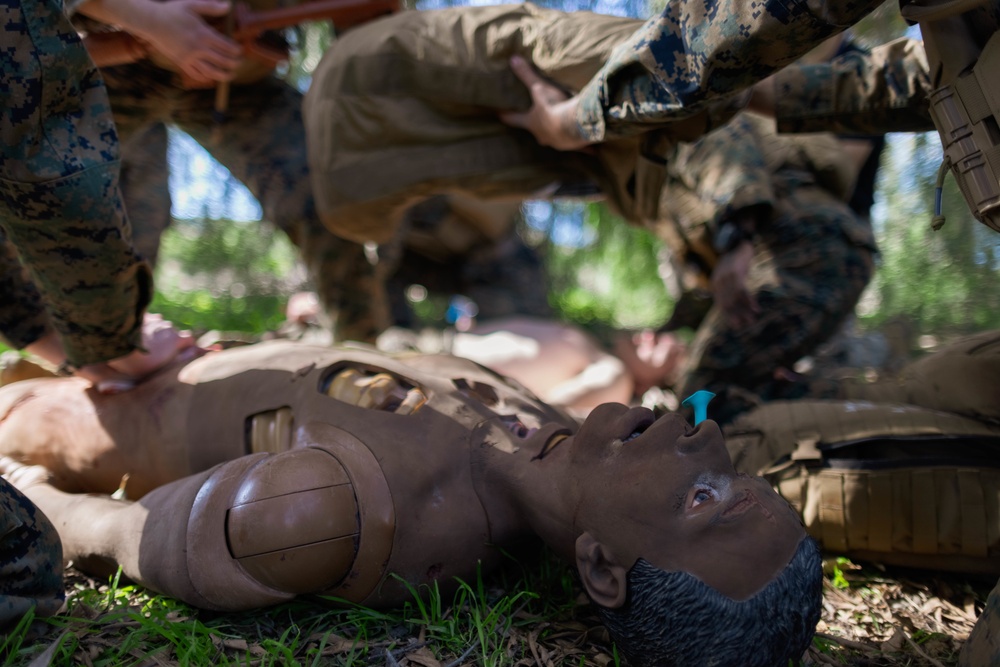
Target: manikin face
[667, 492]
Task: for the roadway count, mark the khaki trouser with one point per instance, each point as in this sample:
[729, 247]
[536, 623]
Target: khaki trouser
[407, 107]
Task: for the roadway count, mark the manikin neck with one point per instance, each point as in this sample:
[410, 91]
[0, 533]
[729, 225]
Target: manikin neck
[524, 492]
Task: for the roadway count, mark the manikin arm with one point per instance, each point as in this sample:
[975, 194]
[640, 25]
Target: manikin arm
[248, 533]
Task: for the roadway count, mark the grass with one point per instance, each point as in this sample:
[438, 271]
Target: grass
[529, 613]
[490, 622]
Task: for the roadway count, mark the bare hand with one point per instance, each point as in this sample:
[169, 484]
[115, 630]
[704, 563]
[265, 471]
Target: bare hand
[729, 285]
[161, 341]
[552, 116]
[180, 33]
[653, 359]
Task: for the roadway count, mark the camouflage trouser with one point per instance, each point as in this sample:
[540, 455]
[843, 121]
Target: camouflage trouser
[262, 143]
[440, 248]
[30, 559]
[807, 276]
[60, 212]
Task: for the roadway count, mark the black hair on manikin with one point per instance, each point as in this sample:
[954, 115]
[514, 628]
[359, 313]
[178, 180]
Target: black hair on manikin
[672, 619]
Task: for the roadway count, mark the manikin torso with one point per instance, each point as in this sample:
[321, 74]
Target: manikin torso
[418, 510]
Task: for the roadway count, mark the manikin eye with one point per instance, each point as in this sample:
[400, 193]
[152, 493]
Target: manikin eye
[701, 496]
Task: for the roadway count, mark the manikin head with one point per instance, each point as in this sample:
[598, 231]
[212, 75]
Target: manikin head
[688, 562]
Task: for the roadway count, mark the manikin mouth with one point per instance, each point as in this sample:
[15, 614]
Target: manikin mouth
[633, 435]
[644, 421]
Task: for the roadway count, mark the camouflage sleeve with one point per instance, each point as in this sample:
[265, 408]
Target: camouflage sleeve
[30, 559]
[697, 51]
[61, 206]
[22, 314]
[885, 90]
[727, 170]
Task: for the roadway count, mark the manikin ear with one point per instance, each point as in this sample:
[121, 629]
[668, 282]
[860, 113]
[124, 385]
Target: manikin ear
[603, 577]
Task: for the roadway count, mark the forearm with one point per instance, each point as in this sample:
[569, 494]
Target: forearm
[138, 17]
[92, 525]
[696, 52]
[884, 91]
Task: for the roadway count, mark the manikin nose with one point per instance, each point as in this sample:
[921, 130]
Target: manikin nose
[693, 441]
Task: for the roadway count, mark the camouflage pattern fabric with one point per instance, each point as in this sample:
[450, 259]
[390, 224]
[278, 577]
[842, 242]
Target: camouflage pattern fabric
[60, 213]
[812, 253]
[885, 90]
[453, 248]
[30, 559]
[262, 143]
[145, 187]
[697, 51]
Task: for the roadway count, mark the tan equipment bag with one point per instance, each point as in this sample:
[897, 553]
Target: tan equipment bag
[893, 482]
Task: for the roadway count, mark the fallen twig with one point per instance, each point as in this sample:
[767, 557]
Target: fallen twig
[848, 643]
[460, 659]
[921, 652]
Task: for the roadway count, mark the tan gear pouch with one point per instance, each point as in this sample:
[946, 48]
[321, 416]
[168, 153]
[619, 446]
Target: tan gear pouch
[891, 483]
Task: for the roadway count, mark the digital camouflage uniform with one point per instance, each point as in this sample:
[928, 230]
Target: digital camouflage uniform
[884, 90]
[812, 253]
[30, 559]
[261, 141]
[456, 246]
[699, 50]
[66, 256]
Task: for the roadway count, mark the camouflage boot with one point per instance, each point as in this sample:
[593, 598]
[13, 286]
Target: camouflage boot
[30, 558]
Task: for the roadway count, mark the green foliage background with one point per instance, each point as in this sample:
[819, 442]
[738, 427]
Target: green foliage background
[225, 275]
